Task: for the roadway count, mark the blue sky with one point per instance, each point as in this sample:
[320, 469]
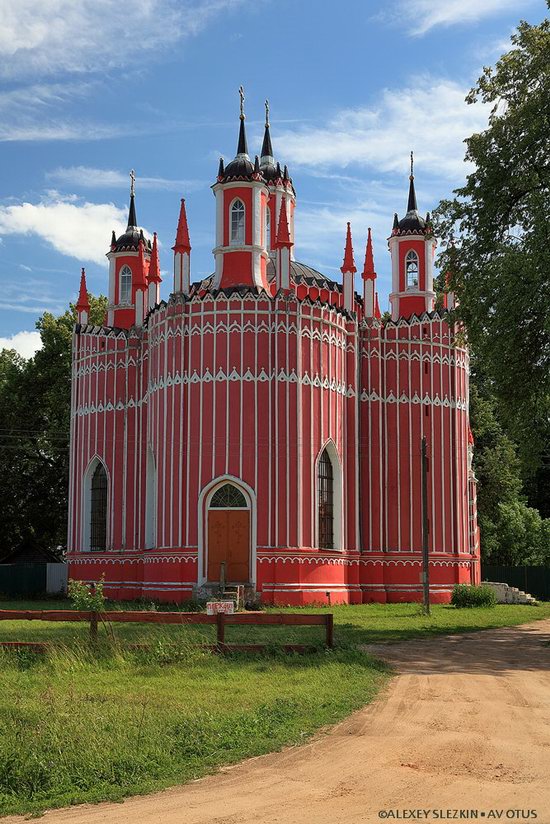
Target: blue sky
[91, 89]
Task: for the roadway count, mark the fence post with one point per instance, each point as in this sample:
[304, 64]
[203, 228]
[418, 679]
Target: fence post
[220, 630]
[93, 627]
[329, 624]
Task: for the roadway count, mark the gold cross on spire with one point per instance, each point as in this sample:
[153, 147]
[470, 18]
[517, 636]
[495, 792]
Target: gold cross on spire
[266, 113]
[132, 182]
[241, 95]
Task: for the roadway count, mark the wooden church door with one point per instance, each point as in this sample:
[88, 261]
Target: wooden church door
[229, 535]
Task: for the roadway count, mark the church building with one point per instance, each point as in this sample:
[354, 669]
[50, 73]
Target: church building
[263, 426]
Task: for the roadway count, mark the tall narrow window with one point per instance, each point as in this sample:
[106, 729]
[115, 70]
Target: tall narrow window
[411, 270]
[325, 490]
[267, 229]
[98, 510]
[125, 285]
[150, 501]
[237, 223]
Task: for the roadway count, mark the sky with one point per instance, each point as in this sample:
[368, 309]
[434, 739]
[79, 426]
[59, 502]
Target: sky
[90, 89]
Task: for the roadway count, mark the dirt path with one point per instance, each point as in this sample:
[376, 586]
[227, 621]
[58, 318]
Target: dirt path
[466, 725]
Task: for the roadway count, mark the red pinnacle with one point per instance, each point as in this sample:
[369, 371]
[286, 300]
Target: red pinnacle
[154, 265]
[182, 243]
[349, 264]
[368, 268]
[141, 280]
[377, 313]
[283, 234]
[83, 304]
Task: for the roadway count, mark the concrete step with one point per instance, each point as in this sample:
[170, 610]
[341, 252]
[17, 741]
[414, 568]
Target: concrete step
[506, 594]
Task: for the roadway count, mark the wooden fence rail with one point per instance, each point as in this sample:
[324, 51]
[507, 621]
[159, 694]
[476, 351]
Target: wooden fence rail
[221, 620]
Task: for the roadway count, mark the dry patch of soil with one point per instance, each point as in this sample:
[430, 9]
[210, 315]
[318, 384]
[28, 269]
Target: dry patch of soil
[465, 725]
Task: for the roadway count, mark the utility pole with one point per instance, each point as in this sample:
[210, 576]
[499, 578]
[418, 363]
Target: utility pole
[425, 530]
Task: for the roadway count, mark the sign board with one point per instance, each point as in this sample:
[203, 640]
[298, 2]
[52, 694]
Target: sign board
[213, 607]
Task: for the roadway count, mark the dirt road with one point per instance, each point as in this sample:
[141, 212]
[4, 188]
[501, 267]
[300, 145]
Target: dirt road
[466, 725]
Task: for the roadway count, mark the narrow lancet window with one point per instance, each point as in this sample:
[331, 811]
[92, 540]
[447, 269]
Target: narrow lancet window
[98, 510]
[237, 223]
[411, 270]
[325, 497]
[125, 285]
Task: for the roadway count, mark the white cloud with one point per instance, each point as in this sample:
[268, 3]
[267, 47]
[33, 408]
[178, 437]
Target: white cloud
[425, 15]
[41, 37]
[25, 343]
[87, 177]
[80, 230]
[430, 116]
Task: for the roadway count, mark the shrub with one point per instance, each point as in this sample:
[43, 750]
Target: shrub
[87, 597]
[465, 595]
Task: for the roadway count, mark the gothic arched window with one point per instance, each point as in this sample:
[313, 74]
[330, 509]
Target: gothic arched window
[325, 501]
[228, 497]
[237, 223]
[125, 285]
[411, 270]
[98, 510]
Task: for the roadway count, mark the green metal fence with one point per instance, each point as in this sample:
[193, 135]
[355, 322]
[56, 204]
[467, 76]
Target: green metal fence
[23, 579]
[532, 579]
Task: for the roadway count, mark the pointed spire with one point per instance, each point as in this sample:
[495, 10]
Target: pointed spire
[411, 205]
[267, 148]
[283, 234]
[113, 239]
[377, 313]
[395, 222]
[242, 146]
[221, 170]
[83, 303]
[349, 264]
[285, 173]
[154, 265]
[256, 165]
[182, 243]
[368, 268]
[132, 220]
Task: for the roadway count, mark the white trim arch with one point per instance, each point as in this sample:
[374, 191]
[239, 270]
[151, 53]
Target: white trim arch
[150, 500]
[85, 536]
[237, 241]
[338, 492]
[204, 504]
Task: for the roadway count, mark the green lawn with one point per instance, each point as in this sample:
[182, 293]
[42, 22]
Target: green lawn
[82, 726]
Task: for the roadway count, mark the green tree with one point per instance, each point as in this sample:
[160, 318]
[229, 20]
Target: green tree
[34, 434]
[500, 260]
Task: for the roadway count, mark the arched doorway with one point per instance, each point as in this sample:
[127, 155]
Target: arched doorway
[228, 535]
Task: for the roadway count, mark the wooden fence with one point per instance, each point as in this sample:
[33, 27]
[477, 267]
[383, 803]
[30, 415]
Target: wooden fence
[221, 620]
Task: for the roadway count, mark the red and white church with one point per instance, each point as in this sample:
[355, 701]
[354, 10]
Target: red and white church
[265, 424]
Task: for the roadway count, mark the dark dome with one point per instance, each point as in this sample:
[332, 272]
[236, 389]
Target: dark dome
[241, 166]
[412, 222]
[269, 171]
[130, 240]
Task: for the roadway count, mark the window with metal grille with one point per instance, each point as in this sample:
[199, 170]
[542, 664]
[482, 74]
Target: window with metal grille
[98, 510]
[325, 490]
[237, 223]
[228, 497]
[411, 270]
[125, 285]
[267, 230]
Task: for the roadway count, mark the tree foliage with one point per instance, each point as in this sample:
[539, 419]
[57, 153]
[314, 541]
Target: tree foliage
[34, 435]
[500, 258]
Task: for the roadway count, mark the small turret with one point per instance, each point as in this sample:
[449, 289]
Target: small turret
[348, 270]
[283, 245]
[370, 297]
[182, 254]
[154, 279]
[83, 302]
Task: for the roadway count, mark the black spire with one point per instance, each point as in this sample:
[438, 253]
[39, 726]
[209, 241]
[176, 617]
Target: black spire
[132, 220]
[395, 221]
[220, 168]
[242, 146]
[411, 205]
[267, 148]
[256, 165]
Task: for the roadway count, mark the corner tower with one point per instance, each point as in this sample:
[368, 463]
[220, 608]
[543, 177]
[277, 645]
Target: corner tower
[412, 249]
[129, 258]
[241, 204]
[280, 188]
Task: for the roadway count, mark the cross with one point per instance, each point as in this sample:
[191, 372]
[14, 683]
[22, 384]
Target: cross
[132, 182]
[267, 113]
[241, 95]
[412, 164]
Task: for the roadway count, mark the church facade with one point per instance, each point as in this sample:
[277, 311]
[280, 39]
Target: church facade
[264, 426]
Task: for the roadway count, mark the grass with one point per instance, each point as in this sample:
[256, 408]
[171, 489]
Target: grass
[78, 725]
